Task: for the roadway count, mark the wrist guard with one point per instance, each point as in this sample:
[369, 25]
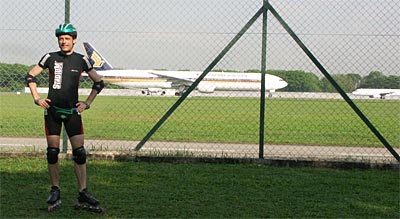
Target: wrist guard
[87, 105]
[98, 86]
[37, 101]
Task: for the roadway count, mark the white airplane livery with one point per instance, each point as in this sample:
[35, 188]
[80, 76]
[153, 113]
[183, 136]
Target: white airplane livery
[377, 93]
[157, 82]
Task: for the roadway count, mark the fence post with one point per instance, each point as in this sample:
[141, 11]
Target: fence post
[66, 11]
[263, 71]
[66, 20]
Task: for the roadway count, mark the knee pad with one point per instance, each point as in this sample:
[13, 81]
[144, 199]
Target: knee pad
[79, 155]
[52, 155]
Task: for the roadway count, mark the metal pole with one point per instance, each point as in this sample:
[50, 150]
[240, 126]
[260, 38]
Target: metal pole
[263, 72]
[67, 10]
[65, 135]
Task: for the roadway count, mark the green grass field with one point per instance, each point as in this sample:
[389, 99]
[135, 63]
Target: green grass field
[288, 121]
[167, 190]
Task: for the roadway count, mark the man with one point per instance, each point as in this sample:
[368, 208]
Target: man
[62, 106]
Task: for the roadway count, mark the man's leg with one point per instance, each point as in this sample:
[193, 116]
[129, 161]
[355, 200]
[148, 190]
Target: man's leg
[79, 154]
[53, 142]
[74, 129]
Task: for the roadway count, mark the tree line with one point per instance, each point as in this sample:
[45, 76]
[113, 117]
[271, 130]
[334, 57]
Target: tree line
[12, 79]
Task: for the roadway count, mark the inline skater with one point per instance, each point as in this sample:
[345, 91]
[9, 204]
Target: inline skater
[62, 106]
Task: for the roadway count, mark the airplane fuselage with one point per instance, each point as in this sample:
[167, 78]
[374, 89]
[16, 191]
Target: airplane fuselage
[223, 81]
[376, 93]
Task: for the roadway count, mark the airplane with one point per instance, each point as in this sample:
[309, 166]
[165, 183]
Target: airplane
[159, 82]
[376, 93]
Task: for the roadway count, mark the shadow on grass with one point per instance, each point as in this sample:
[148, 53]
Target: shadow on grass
[152, 190]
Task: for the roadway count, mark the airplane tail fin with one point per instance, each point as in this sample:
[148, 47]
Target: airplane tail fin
[95, 58]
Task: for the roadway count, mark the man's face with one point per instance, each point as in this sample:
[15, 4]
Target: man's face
[66, 43]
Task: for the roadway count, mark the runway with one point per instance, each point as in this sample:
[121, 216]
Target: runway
[240, 94]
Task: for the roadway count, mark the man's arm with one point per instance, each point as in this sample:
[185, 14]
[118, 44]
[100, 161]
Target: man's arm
[96, 89]
[30, 79]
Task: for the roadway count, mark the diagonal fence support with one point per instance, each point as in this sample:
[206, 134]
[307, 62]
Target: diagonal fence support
[264, 9]
[332, 81]
[199, 79]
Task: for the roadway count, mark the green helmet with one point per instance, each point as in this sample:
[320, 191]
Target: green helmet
[66, 29]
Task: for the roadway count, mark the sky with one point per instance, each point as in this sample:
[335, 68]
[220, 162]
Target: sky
[346, 36]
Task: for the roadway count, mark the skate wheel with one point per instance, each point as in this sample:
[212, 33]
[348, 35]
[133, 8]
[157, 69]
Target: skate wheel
[90, 208]
[54, 206]
[95, 209]
[101, 211]
[78, 207]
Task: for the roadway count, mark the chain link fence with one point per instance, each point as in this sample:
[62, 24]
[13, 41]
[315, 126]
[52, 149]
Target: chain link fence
[357, 42]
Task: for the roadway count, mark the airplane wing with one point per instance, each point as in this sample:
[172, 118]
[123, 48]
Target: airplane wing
[176, 80]
[386, 93]
[383, 95]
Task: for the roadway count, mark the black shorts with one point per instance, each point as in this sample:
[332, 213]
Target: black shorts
[53, 122]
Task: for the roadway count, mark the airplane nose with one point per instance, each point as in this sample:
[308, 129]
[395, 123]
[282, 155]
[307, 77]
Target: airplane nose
[283, 84]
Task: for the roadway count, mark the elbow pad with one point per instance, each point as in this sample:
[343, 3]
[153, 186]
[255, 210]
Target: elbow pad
[29, 79]
[98, 86]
